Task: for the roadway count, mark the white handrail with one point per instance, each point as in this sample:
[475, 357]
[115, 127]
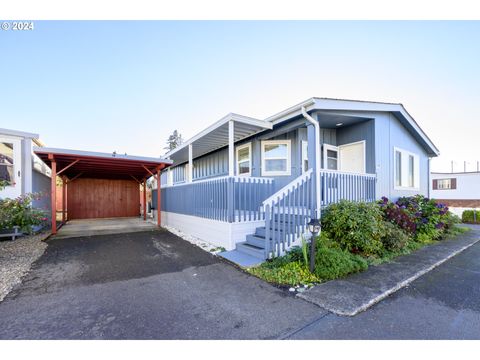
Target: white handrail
[290, 186]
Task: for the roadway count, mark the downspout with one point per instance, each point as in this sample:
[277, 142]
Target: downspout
[317, 160]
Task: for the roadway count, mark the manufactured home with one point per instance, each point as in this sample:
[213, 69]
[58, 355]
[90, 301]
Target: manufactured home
[252, 185]
[460, 191]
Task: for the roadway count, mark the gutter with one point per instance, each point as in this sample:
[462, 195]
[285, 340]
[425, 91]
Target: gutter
[316, 125]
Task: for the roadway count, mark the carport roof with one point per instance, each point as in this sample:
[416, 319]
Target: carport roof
[75, 163]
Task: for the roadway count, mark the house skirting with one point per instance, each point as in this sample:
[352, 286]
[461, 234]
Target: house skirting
[215, 232]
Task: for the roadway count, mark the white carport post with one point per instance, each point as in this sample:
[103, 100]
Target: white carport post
[231, 133]
[190, 163]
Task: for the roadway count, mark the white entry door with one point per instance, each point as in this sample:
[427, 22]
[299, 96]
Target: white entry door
[10, 167]
[352, 157]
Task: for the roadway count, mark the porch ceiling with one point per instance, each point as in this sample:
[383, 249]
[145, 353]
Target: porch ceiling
[330, 121]
[216, 136]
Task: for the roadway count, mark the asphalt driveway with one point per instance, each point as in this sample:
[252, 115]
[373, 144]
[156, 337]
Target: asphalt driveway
[145, 285]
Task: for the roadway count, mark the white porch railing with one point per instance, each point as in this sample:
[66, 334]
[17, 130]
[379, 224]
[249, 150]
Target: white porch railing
[229, 199]
[337, 185]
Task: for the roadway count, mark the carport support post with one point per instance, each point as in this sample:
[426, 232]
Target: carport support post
[144, 199]
[53, 196]
[158, 198]
[64, 199]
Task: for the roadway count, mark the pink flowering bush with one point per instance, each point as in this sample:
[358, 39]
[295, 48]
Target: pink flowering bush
[19, 212]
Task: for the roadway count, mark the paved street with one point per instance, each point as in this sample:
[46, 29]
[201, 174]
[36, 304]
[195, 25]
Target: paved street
[153, 285]
[443, 304]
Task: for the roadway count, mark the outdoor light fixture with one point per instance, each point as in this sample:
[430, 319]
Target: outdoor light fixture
[314, 227]
[339, 124]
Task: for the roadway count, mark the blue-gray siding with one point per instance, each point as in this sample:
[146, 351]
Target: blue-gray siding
[390, 133]
[41, 184]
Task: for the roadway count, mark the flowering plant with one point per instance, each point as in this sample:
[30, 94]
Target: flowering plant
[418, 215]
[19, 212]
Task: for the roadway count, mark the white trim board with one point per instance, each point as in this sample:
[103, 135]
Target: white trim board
[215, 232]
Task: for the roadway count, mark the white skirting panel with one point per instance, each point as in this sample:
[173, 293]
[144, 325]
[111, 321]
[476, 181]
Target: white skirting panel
[215, 232]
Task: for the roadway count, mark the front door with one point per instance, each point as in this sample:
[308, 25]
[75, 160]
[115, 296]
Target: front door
[10, 167]
[352, 157]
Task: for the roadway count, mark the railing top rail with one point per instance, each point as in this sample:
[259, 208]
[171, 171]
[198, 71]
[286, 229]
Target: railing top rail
[347, 173]
[248, 179]
[283, 191]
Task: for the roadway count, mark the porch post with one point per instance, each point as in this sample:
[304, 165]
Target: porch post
[144, 199]
[190, 163]
[159, 204]
[53, 195]
[231, 140]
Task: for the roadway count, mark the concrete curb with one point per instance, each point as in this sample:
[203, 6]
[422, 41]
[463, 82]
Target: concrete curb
[307, 296]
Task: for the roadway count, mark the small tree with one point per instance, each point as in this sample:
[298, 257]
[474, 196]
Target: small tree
[174, 141]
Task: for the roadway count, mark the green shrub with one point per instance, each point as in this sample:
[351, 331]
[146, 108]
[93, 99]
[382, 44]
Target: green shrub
[471, 216]
[356, 227]
[394, 238]
[282, 272]
[335, 263]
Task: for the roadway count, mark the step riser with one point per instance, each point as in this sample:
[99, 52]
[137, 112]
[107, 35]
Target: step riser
[259, 254]
[256, 241]
[261, 232]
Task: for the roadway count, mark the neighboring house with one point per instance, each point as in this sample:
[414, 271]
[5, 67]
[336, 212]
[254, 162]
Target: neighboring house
[458, 190]
[254, 184]
[22, 169]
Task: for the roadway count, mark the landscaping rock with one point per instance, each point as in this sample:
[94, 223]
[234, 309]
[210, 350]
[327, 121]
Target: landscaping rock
[16, 258]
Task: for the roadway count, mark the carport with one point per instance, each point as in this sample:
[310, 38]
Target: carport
[99, 185]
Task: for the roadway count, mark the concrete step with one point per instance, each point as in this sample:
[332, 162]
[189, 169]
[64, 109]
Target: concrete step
[251, 250]
[257, 241]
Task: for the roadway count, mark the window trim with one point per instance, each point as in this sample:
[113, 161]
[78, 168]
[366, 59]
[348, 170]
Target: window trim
[450, 180]
[327, 147]
[13, 182]
[405, 158]
[237, 167]
[288, 171]
[304, 156]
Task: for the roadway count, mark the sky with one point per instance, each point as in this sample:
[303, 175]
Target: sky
[125, 86]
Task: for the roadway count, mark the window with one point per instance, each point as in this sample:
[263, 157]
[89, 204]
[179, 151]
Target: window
[330, 157]
[276, 158]
[244, 160]
[411, 170]
[444, 184]
[406, 170]
[6, 162]
[398, 168]
[304, 156]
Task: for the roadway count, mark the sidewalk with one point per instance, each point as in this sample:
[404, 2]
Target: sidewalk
[358, 292]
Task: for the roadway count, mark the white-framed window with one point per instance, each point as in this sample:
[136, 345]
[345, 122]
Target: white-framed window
[330, 157]
[304, 156]
[276, 157]
[406, 169]
[444, 184]
[244, 159]
[7, 170]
